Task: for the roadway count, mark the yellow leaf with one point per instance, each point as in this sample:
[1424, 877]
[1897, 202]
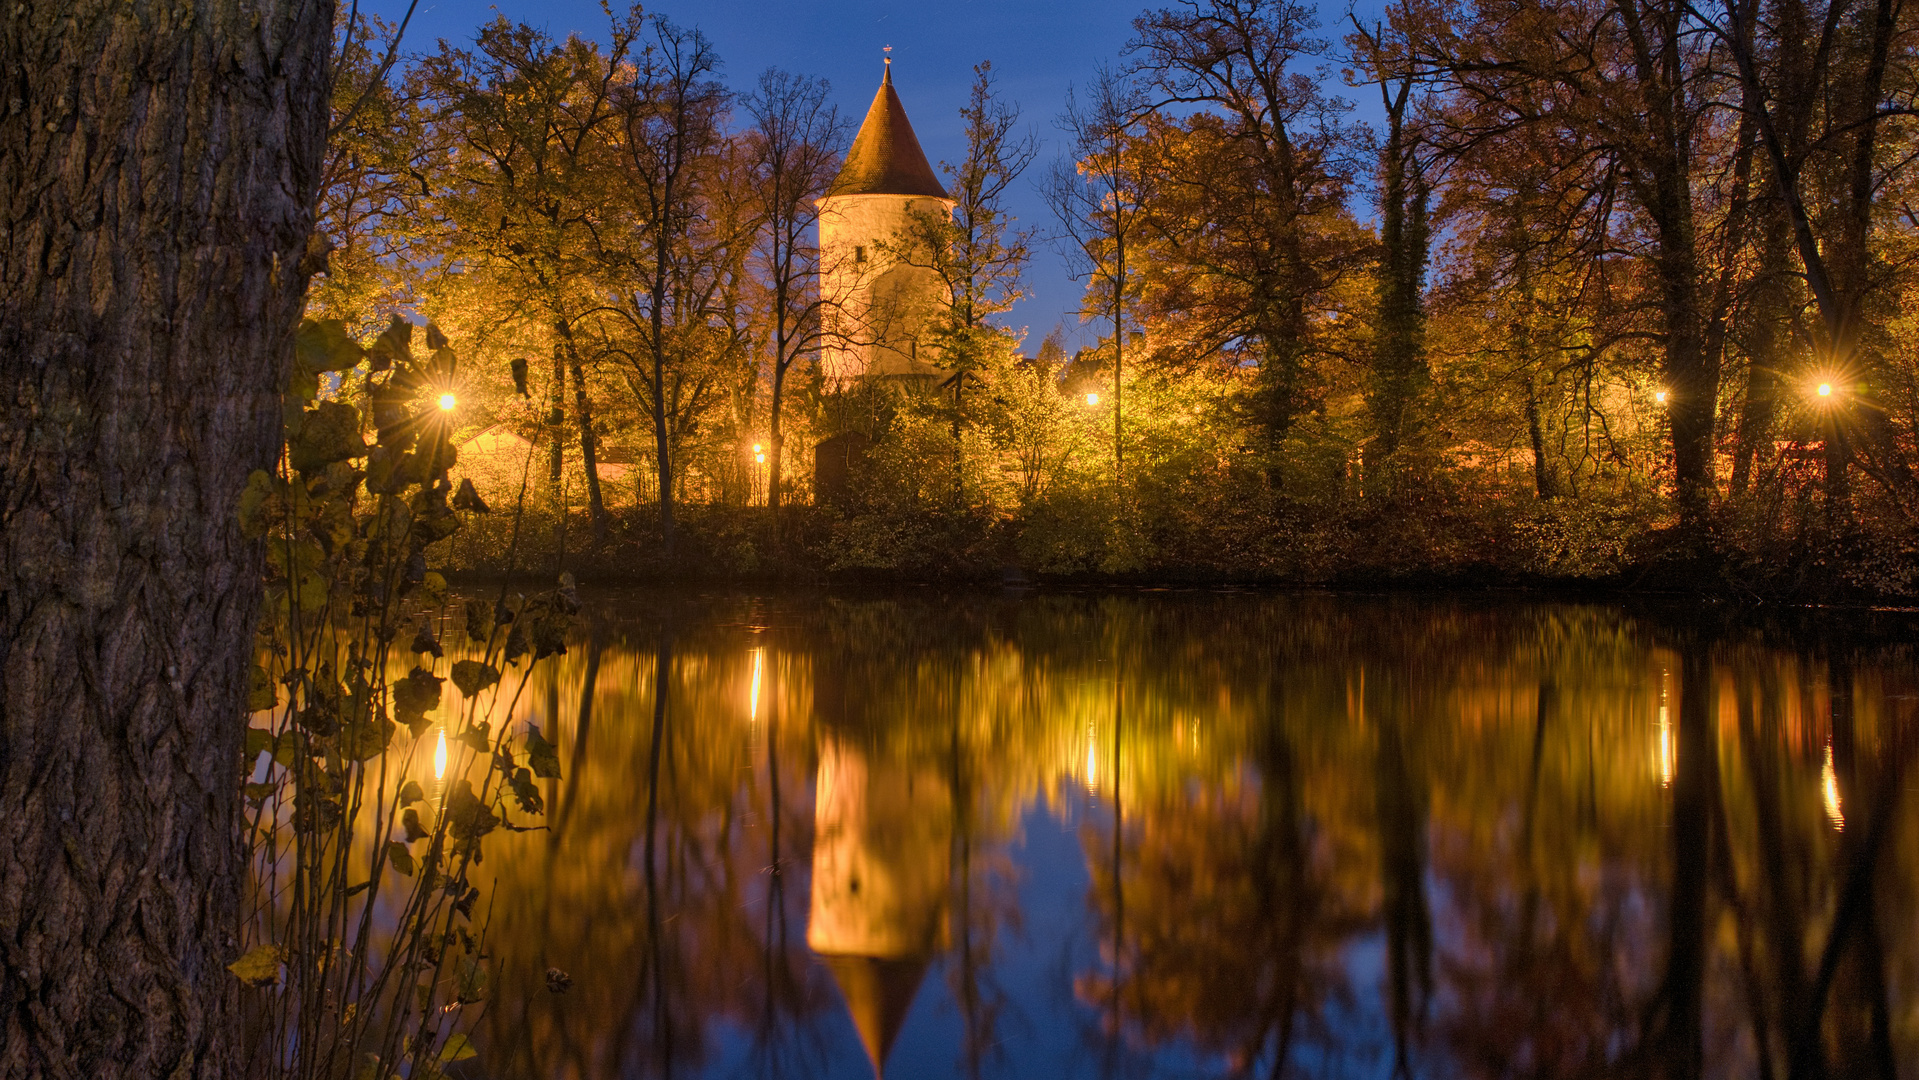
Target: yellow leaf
[260, 966]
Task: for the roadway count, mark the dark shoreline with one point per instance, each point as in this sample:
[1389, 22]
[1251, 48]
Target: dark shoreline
[1806, 624]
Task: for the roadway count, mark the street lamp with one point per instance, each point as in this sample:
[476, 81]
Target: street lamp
[1659, 396]
[1825, 389]
[448, 401]
[1092, 399]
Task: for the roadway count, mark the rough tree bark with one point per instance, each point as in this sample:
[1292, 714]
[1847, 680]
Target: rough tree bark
[589, 445]
[158, 162]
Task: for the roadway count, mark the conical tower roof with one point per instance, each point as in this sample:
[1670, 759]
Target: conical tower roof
[879, 993]
[886, 158]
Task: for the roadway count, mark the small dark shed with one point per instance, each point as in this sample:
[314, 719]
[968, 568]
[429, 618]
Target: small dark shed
[835, 463]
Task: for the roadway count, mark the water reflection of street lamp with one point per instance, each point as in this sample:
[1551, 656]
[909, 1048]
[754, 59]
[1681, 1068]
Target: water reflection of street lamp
[439, 757]
[1829, 787]
[753, 700]
[1092, 760]
[1665, 736]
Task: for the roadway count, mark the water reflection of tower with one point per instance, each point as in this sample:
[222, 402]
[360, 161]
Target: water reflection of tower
[880, 881]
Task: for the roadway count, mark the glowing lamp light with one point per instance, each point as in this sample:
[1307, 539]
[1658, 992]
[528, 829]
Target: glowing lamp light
[1660, 397]
[753, 701]
[447, 402]
[1829, 788]
[1825, 389]
[439, 758]
[756, 448]
[1092, 399]
[760, 458]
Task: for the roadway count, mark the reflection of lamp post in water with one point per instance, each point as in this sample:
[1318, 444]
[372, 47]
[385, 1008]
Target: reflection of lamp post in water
[1665, 735]
[880, 883]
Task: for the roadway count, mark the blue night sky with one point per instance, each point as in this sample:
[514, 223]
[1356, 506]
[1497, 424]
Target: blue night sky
[1039, 48]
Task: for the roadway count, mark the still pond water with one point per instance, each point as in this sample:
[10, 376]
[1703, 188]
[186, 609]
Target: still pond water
[1205, 834]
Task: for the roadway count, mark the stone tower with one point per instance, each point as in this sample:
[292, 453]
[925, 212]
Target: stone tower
[878, 306]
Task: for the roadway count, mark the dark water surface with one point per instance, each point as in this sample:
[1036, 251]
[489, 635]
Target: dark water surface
[1200, 834]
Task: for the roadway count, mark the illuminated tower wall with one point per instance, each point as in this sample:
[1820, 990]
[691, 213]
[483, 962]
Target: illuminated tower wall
[877, 306]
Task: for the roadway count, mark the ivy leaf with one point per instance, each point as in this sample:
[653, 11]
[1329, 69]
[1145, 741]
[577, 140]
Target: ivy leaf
[329, 432]
[411, 792]
[325, 345]
[394, 345]
[290, 747]
[400, 857]
[541, 754]
[472, 972]
[414, 697]
[479, 622]
[260, 503]
[458, 1048]
[425, 642]
[366, 739]
[257, 793]
[467, 817]
[260, 692]
[410, 821]
[479, 737]
[549, 635]
[471, 676]
[260, 966]
[259, 741]
[526, 792]
[519, 376]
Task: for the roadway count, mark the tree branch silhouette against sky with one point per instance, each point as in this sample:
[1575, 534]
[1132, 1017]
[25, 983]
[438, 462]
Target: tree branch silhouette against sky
[1038, 51]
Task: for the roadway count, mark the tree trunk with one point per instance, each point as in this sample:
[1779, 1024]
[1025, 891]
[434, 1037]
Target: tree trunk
[1399, 361]
[661, 445]
[1543, 485]
[776, 449]
[589, 445]
[1766, 337]
[160, 163]
[556, 432]
[1680, 1048]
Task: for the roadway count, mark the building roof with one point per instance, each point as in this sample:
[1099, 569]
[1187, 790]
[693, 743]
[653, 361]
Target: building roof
[886, 158]
[879, 993]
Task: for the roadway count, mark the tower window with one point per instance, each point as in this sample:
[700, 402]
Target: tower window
[859, 254]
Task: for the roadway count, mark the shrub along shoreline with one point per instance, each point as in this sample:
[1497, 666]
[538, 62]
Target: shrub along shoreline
[722, 545]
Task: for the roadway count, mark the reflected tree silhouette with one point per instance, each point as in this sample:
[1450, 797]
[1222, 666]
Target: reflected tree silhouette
[1480, 796]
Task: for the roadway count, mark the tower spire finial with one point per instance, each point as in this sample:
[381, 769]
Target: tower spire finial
[887, 78]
